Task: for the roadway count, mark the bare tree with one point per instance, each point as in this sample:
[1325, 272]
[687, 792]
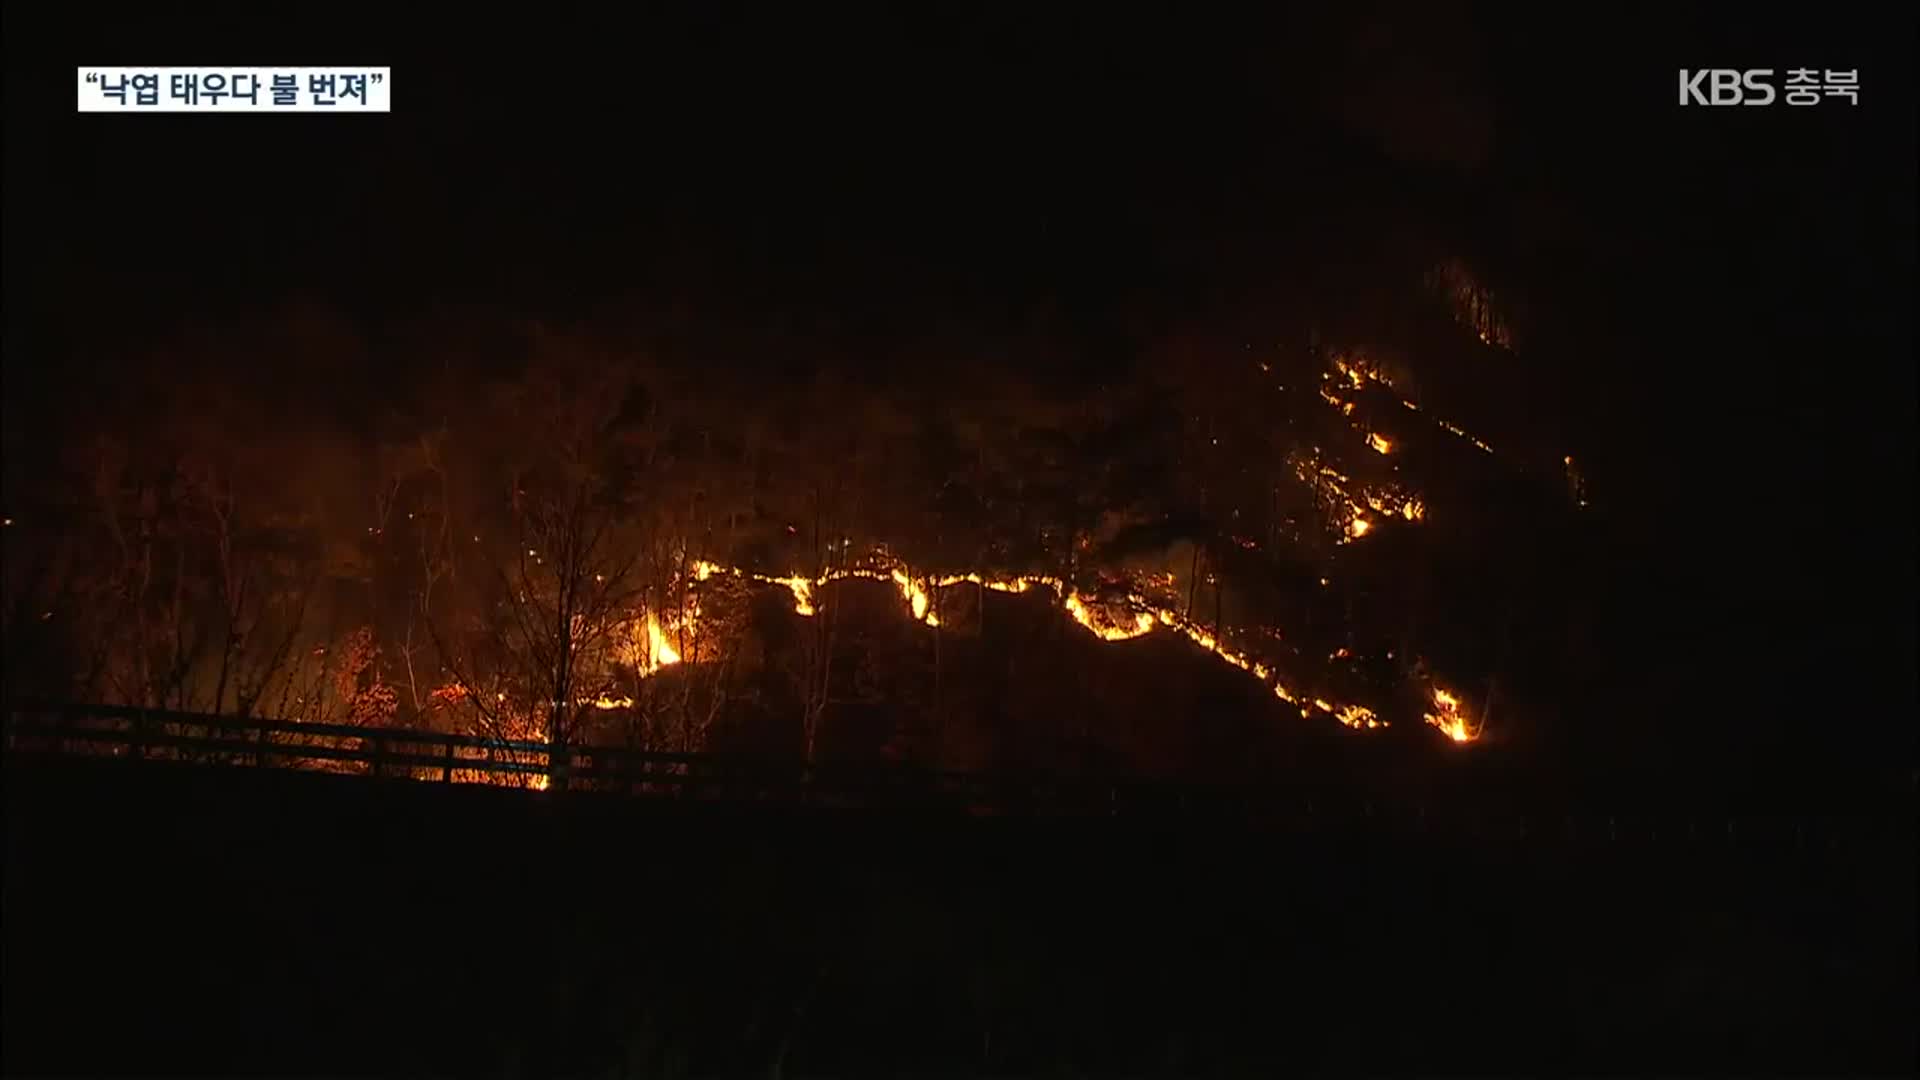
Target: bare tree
[552, 577]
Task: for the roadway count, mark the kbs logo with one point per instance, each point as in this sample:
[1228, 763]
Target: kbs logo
[1726, 86]
[1754, 86]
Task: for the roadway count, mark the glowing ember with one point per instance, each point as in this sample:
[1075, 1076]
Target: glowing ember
[1576, 484]
[1345, 505]
[1381, 443]
[1359, 371]
[1455, 429]
[1359, 716]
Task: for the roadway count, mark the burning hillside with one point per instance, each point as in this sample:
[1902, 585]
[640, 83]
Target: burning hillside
[588, 550]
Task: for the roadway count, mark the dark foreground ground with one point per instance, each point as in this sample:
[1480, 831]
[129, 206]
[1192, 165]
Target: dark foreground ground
[169, 920]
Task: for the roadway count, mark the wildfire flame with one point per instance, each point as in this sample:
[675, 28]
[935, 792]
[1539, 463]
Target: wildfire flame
[1448, 717]
[1353, 511]
[916, 597]
[1357, 374]
[1104, 628]
[651, 648]
[1359, 716]
[1102, 618]
[1110, 618]
[1346, 504]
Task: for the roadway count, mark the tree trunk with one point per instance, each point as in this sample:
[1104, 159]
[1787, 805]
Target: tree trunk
[1217, 605]
[1193, 582]
[933, 606]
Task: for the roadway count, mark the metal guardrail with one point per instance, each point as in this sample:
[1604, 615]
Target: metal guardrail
[135, 734]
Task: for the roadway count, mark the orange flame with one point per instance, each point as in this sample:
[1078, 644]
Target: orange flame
[651, 649]
[1448, 717]
[1102, 626]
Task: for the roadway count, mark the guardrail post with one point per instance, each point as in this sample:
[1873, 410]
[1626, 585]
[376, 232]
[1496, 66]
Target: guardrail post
[378, 759]
[446, 771]
[559, 757]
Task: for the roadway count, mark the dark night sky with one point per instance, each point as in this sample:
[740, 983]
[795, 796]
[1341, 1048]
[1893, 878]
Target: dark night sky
[1725, 293]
